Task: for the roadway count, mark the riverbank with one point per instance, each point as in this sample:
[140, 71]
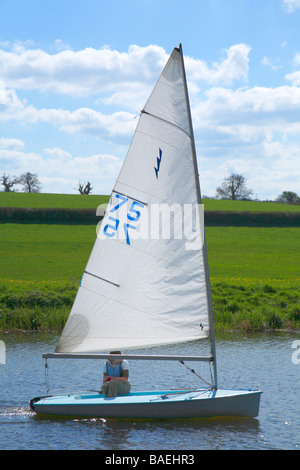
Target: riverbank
[256, 307]
[244, 306]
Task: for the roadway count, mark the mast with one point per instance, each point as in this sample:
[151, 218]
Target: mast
[204, 248]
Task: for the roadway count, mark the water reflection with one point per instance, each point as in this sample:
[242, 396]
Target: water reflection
[180, 434]
[188, 434]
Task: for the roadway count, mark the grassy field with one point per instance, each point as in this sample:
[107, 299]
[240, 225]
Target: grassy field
[80, 201]
[255, 274]
[255, 206]
[60, 252]
[44, 252]
[38, 200]
[254, 253]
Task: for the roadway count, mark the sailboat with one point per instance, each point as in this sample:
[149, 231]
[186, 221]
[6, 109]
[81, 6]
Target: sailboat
[147, 282]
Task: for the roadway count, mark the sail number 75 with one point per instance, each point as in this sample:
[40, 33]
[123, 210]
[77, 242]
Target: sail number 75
[133, 215]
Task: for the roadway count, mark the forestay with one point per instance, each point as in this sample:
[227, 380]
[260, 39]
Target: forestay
[144, 286]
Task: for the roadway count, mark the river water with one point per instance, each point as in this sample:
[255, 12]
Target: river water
[265, 361]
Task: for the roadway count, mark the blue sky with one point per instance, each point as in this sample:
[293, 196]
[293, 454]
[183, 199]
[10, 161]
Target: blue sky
[74, 75]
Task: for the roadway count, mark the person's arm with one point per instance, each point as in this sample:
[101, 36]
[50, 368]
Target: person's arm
[106, 378]
[121, 379]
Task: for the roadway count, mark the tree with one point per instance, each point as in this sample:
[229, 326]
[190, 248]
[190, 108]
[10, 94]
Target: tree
[288, 196]
[8, 182]
[30, 182]
[85, 188]
[233, 187]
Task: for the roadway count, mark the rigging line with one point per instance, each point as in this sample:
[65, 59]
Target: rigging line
[167, 122]
[211, 375]
[192, 370]
[170, 394]
[181, 392]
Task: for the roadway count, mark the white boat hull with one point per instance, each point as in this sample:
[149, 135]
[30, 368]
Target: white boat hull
[156, 405]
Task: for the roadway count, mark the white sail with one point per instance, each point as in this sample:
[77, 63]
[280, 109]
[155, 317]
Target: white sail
[144, 286]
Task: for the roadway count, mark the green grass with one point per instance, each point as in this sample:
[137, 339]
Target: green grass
[256, 254]
[35, 305]
[254, 273]
[60, 252]
[256, 307]
[252, 206]
[34, 252]
[38, 200]
[81, 201]
[40, 270]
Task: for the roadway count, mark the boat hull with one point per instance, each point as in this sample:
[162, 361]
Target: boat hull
[152, 405]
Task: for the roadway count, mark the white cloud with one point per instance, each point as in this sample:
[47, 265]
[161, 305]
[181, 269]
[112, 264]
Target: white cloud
[252, 131]
[119, 79]
[84, 72]
[258, 109]
[11, 143]
[236, 129]
[291, 5]
[294, 77]
[105, 71]
[269, 167]
[244, 111]
[60, 171]
[268, 62]
[296, 59]
[15, 161]
[9, 102]
[234, 66]
[82, 120]
[61, 45]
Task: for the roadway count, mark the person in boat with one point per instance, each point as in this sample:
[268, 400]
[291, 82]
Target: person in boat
[115, 377]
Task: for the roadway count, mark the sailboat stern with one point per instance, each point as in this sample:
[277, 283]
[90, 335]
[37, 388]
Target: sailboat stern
[243, 403]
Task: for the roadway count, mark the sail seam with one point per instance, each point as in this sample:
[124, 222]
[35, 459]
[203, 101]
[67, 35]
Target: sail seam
[137, 189]
[151, 255]
[159, 139]
[168, 122]
[204, 334]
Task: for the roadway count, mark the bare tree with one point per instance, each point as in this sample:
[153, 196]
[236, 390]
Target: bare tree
[30, 182]
[85, 188]
[233, 187]
[8, 182]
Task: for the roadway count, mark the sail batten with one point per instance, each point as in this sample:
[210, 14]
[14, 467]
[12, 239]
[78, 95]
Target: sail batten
[128, 196]
[167, 122]
[101, 278]
[145, 283]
